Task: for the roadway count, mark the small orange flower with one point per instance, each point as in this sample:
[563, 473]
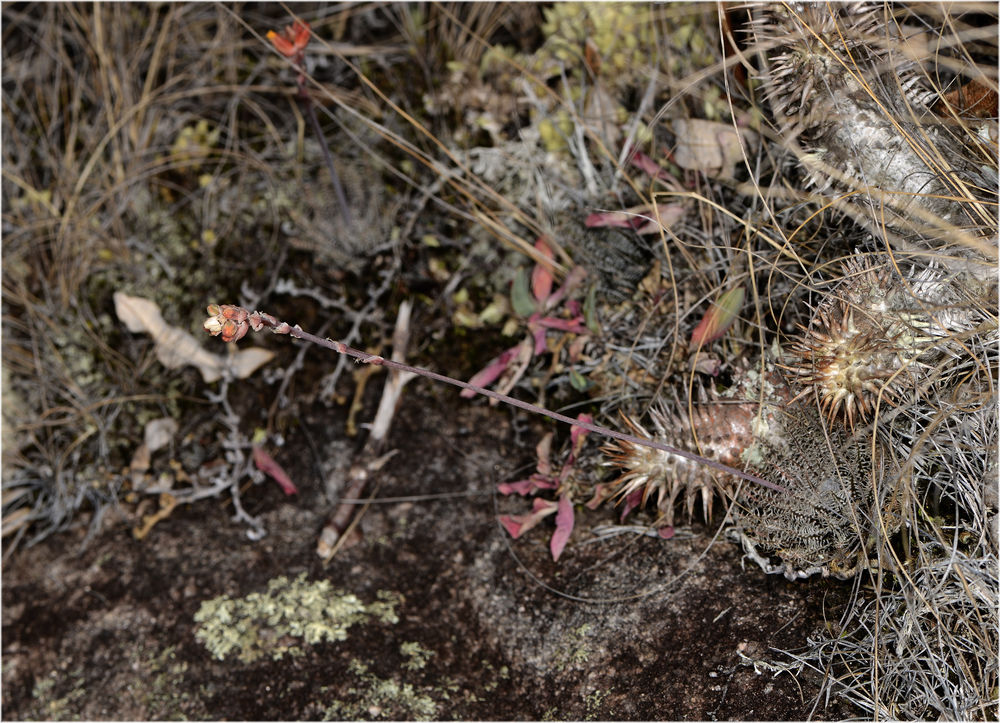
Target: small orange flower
[291, 41]
[228, 321]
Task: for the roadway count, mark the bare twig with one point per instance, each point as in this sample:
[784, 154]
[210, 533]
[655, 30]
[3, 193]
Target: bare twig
[369, 461]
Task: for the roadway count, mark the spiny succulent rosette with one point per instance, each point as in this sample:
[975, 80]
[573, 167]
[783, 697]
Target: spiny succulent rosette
[838, 497]
[875, 335]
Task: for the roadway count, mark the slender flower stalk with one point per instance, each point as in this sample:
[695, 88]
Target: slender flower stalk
[291, 42]
[233, 322]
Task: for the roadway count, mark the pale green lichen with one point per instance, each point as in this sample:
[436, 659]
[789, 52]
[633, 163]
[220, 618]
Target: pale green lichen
[417, 655]
[381, 698]
[270, 623]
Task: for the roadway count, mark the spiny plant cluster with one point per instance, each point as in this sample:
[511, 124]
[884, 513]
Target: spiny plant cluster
[894, 351]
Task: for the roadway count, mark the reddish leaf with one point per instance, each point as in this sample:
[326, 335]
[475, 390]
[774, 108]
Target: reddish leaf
[266, 464]
[641, 219]
[538, 332]
[662, 215]
[491, 372]
[517, 525]
[541, 277]
[515, 369]
[601, 493]
[574, 326]
[648, 166]
[577, 434]
[527, 486]
[521, 487]
[666, 532]
[705, 363]
[564, 526]
[618, 219]
[633, 500]
[718, 318]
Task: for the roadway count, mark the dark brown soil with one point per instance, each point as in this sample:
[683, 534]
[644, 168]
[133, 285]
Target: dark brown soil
[109, 633]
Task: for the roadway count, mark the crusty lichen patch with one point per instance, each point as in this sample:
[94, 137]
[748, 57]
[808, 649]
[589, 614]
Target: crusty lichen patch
[289, 613]
[381, 698]
[417, 655]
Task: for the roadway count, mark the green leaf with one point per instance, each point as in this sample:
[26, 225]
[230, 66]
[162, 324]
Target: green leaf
[579, 382]
[521, 299]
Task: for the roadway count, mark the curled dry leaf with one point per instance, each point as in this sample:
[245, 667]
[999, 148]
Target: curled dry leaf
[156, 435]
[708, 146]
[176, 348]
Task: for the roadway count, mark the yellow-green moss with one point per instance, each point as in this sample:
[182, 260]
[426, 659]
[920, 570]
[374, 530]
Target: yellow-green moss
[621, 32]
[290, 611]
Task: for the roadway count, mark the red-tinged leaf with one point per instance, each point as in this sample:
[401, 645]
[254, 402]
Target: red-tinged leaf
[574, 307]
[515, 369]
[614, 219]
[633, 500]
[528, 486]
[641, 219]
[574, 326]
[666, 532]
[266, 464]
[491, 372]
[577, 434]
[719, 317]
[541, 277]
[517, 525]
[705, 363]
[601, 493]
[521, 487]
[564, 526]
[545, 506]
[538, 332]
[575, 351]
[574, 279]
[661, 217]
[648, 166]
[301, 30]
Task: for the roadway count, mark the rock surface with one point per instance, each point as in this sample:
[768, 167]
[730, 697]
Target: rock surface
[488, 627]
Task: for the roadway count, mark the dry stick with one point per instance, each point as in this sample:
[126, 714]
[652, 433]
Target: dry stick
[232, 322]
[339, 524]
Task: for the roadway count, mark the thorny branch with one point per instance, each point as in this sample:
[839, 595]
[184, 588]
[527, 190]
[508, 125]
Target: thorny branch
[233, 322]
